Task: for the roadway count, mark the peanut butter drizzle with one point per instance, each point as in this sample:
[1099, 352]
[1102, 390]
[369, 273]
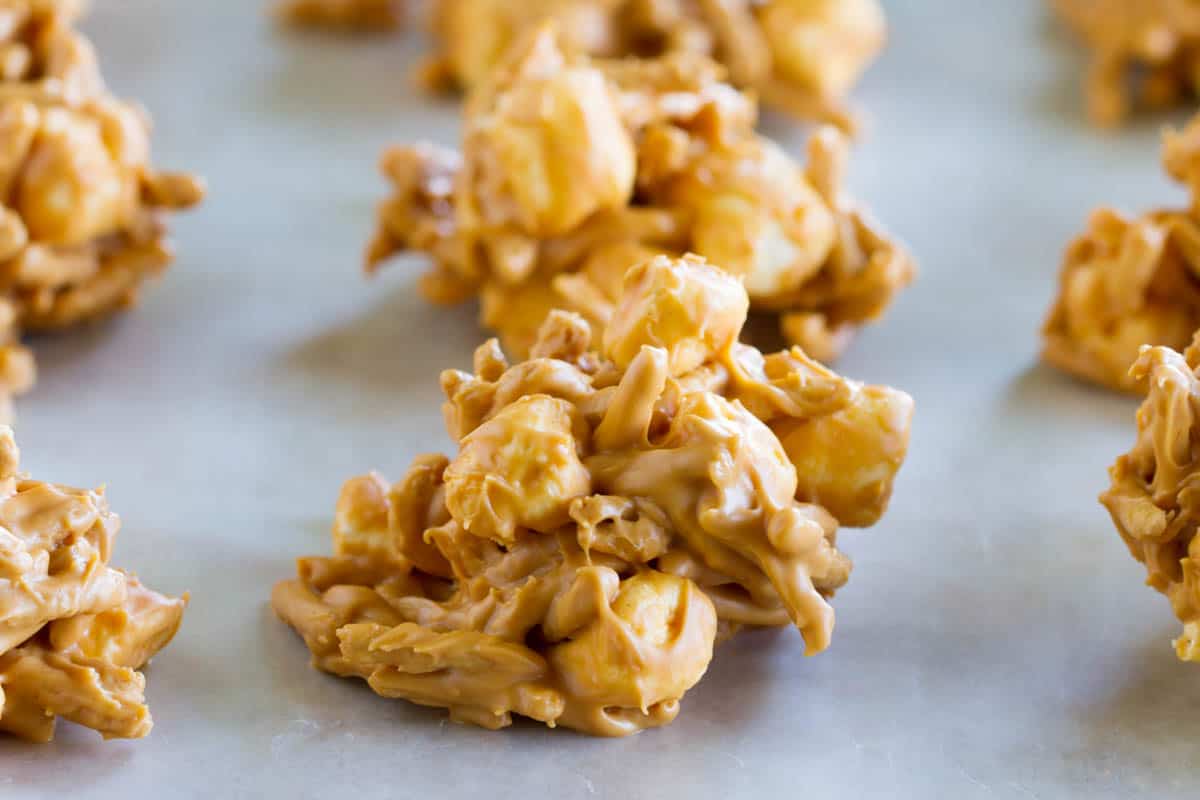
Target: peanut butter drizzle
[1127, 282]
[1144, 53]
[573, 169]
[609, 516]
[73, 631]
[1153, 499]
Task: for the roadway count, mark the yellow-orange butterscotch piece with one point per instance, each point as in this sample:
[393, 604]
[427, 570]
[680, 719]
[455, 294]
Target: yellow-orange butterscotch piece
[801, 56]
[573, 170]
[1151, 499]
[73, 631]
[1144, 53]
[347, 15]
[612, 512]
[1128, 282]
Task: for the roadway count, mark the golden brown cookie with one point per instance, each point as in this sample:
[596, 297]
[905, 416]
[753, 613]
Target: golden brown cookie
[801, 57]
[615, 508]
[570, 170]
[1130, 281]
[1151, 500]
[74, 631]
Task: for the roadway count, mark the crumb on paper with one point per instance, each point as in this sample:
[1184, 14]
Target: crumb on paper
[345, 15]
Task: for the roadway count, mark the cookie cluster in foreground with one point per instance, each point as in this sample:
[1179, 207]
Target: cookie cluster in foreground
[610, 515]
[1131, 281]
[801, 57]
[1144, 53]
[73, 630]
[81, 226]
[571, 171]
[1155, 495]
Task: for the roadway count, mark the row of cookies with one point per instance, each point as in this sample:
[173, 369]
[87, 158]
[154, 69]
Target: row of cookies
[1128, 303]
[800, 56]
[82, 226]
[635, 485]
[632, 484]
[1129, 295]
[465, 608]
[575, 165]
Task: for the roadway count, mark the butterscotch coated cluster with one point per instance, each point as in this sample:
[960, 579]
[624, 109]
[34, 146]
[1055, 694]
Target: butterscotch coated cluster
[1145, 53]
[347, 15]
[800, 56]
[74, 631]
[570, 171]
[615, 508]
[81, 224]
[1131, 281]
[1155, 495]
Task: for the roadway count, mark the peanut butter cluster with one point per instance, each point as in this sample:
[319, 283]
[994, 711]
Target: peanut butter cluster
[348, 15]
[571, 171]
[81, 224]
[801, 56]
[1151, 499]
[1129, 282]
[1144, 53]
[612, 513]
[73, 631]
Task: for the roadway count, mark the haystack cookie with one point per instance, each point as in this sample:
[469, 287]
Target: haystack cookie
[802, 57]
[1145, 53]
[1130, 281]
[83, 225]
[571, 170]
[615, 508]
[74, 631]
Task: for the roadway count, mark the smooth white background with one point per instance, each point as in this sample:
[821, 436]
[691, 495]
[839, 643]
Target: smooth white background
[995, 640]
